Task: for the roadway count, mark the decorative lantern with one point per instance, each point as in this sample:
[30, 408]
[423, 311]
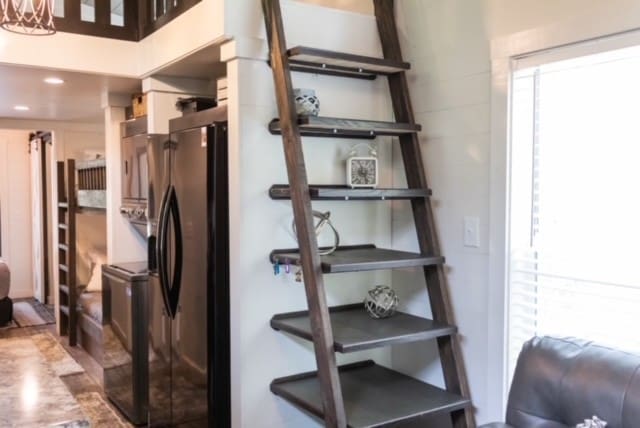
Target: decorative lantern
[33, 17]
[381, 302]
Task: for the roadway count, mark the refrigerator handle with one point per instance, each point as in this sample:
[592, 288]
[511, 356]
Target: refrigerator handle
[161, 247]
[174, 293]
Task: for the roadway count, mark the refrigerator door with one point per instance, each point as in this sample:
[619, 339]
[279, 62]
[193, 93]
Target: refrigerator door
[189, 334]
[159, 162]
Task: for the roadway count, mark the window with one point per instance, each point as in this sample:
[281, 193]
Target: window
[574, 232]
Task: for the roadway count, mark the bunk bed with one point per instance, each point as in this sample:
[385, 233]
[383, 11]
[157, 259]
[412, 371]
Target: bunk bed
[80, 304]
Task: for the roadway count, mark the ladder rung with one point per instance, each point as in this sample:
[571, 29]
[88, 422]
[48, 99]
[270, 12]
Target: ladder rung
[64, 289]
[357, 258]
[63, 247]
[355, 330]
[331, 127]
[64, 268]
[64, 309]
[63, 205]
[320, 61]
[378, 396]
[345, 193]
[63, 226]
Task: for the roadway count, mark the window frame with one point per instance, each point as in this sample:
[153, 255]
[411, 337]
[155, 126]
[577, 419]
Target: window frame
[566, 37]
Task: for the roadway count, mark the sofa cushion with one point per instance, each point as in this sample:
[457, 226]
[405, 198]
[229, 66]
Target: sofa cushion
[5, 280]
[596, 384]
[562, 382]
[534, 398]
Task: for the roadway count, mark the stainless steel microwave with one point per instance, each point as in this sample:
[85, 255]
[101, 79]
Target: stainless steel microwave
[135, 170]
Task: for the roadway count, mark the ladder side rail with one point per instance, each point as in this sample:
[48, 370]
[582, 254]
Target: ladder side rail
[334, 413]
[63, 319]
[440, 300]
[72, 277]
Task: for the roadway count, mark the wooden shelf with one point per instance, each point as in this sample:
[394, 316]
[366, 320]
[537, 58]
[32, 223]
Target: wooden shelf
[374, 396]
[319, 61]
[345, 193]
[331, 127]
[360, 258]
[354, 330]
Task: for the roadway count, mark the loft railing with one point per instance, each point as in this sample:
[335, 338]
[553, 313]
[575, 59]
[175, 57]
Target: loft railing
[117, 19]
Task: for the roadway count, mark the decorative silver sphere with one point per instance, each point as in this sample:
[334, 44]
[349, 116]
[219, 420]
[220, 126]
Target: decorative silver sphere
[381, 302]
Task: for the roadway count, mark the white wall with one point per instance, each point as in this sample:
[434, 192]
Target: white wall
[15, 200]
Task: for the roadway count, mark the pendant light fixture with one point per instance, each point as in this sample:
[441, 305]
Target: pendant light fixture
[34, 17]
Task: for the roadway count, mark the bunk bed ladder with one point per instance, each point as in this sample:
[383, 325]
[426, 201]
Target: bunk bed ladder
[67, 292]
[349, 395]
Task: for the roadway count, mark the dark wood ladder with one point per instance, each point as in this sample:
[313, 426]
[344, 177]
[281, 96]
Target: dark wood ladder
[361, 394]
[67, 291]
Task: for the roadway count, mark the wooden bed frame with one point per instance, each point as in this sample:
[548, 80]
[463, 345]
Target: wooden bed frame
[81, 327]
[90, 335]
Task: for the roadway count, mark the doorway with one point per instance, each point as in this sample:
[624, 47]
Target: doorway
[40, 146]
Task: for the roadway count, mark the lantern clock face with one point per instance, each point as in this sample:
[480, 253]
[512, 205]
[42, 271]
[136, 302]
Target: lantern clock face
[363, 172]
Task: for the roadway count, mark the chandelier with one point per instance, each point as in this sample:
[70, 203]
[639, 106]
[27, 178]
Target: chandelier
[33, 17]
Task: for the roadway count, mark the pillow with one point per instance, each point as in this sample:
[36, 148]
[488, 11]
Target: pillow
[95, 282]
[594, 422]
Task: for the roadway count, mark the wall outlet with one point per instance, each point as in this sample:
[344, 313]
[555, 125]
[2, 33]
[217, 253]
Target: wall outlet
[472, 232]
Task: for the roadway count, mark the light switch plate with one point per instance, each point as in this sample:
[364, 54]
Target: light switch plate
[472, 232]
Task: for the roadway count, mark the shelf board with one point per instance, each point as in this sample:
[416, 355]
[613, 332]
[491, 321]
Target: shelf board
[345, 193]
[360, 258]
[317, 126]
[374, 396]
[354, 330]
[320, 61]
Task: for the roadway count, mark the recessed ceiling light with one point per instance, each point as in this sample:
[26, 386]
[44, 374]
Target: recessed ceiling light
[54, 80]
[21, 108]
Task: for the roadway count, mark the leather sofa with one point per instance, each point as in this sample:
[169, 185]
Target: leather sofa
[561, 382]
[6, 305]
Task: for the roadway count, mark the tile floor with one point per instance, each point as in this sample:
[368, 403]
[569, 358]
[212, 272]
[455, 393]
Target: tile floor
[33, 396]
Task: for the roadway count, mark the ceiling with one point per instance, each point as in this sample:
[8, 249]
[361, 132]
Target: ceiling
[78, 99]
[203, 64]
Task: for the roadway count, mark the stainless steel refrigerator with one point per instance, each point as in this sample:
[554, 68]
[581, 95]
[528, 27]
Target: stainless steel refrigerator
[189, 379]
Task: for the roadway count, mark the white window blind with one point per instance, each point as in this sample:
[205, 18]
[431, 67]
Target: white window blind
[574, 244]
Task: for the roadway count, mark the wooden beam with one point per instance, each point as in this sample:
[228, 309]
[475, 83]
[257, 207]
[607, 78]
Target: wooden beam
[449, 347]
[313, 281]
